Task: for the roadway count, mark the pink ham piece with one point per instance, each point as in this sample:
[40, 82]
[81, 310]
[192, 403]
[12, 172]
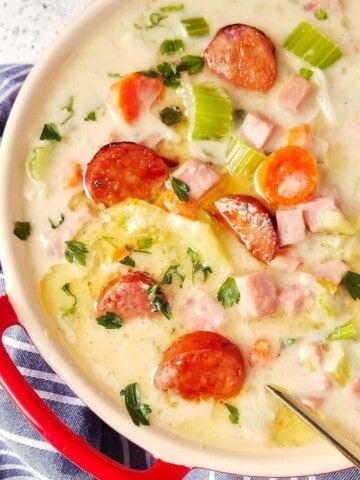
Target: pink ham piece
[332, 271]
[331, 5]
[198, 176]
[314, 209]
[202, 312]
[353, 388]
[258, 296]
[311, 359]
[291, 226]
[292, 300]
[294, 93]
[258, 129]
[286, 260]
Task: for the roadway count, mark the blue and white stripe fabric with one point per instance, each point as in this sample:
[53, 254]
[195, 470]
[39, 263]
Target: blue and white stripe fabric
[24, 455]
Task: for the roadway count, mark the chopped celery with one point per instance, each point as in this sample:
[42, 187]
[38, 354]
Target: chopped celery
[209, 111]
[329, 287]
[337, 365]
[306, 73]
[196, 27]
[332, 221]
[307, 43]
[342, 332]
[242, 159]
[37, 164]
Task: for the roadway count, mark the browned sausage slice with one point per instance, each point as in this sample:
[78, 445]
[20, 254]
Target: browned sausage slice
[126, 296]
[244, 56]
[201, 365]
[121, 170]
[252, 223]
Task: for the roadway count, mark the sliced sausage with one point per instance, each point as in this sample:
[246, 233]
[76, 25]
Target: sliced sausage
[201, 365]
[252, 223]
[121, 170]
[126, 296]
[244, 56]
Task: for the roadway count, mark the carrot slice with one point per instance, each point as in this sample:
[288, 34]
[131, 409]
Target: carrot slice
[302, 136]
[288, 176]
[262, 353]
[136, 93]
[168, 201]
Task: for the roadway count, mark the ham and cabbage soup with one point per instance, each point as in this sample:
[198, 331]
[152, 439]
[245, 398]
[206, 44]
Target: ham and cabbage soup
[192, 212]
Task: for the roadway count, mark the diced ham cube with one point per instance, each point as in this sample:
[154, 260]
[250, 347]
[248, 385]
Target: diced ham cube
[311, 358]
[258, 129]
[332, 5]
[291, 226]
[333, 271]
[292, 300]
[353, 388]
[198, 176]
[286, 260]
[314, 209]
[294, 93]
[258, 296]
[202, 312]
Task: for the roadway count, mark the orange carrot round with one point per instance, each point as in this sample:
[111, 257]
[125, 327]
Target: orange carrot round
[288, 176]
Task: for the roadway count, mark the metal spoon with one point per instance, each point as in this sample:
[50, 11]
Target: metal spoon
[347, 448]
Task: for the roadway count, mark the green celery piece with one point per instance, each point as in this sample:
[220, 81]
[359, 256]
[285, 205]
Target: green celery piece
[343, 332]
[209, 110]
[196, 27]
[241, 159]
[37, 164]
[307, 43]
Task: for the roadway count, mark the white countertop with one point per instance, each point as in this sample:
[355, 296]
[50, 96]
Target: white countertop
[27, 27]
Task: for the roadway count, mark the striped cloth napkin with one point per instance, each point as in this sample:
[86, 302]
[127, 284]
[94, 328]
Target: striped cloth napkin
[24, 455]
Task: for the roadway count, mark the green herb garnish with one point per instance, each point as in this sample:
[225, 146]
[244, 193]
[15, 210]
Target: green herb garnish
[128, 261]
[320, 14]
[171, 115]
[139, 412]
[351, 282]
[234, 414]
[196, 265]
[50, 132]
[60, 222]
[170, 273]
[154, 20]
[181, 189]
[68, 108]
[71, 310]
[169, 47]
[191, 64]
[172, 8]
[22, 230]
[196, 27]
[144, 243]
[76, 251]
[91, 116]
[110, 321]
[158, 300]
[343, 332]
[228, 294]
[169, 74]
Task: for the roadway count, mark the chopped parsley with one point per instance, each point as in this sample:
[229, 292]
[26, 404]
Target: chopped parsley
[169, 47]
[228, 294]
[158, 300]
[154, 20]
[172, 8]
[169, 74]
[127, 261]
[181, 189]
[171, 272]
[110, 321]
[91, 116]
[50, 132]
[22, 230]
[192, 64]
[234, 414]
[71, 310]
[171, 115]
[351, 282]
[68, 108]
[143, 245]
[76, 251]
[139, 412]
[196, 265]
[320, 14]
[60, 222]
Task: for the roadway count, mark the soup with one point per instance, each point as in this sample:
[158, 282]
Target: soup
[191, 212]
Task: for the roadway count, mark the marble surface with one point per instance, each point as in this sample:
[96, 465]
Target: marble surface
[27, 27]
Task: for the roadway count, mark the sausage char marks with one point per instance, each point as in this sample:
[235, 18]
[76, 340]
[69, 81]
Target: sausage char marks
[244, 56]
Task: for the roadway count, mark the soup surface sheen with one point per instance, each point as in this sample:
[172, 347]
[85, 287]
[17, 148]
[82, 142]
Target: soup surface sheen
[296, 320]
